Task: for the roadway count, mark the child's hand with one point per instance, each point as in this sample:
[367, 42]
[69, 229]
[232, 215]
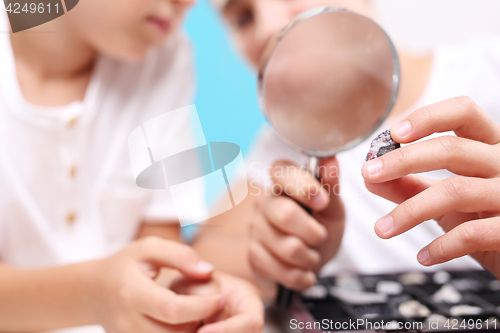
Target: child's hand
[467, 207]
[243, 310]
[288, 245]
[125, 299]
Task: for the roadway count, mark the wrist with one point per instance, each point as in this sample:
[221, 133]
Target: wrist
[88, 290]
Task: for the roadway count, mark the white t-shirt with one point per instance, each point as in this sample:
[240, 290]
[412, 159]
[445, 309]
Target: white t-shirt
[471, 69]
[67, 191]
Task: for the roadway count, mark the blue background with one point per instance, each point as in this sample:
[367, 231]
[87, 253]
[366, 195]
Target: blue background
[227, 94]
[226, 97]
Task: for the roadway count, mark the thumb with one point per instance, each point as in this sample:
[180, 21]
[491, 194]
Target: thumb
[164, 253]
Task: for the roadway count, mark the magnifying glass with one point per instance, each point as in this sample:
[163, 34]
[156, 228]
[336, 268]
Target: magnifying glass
[326, 82]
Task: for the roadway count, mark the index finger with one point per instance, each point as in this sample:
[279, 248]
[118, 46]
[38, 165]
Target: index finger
[460, 114]
[174, 255]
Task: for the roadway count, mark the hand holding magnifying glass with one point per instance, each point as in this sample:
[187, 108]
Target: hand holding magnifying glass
[326, 82]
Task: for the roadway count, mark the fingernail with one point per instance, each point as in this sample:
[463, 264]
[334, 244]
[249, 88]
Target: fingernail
[384, 225]
[423, 256]
[204, 267]
[402, 129]
[373, 167]
[319, 201]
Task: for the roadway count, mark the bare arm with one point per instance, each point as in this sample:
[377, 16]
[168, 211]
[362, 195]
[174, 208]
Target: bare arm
[223, 240]
[50, 298]
[117, 292]
[170, 231]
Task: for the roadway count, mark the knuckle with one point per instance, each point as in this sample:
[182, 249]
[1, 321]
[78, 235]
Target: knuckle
[280, 163]
[170, 311]
[125, 294]
[455, 188]
[468, 103]
[186, 254]
[285, 210]
[315, 258]
[425, 113]
[401, 155]
[450, 144]
[440, 250]
[468, 234]
[296, 279]
[254, 255]
[278, 169]
[253, 228]
[148, 243]
[408, 208]
[293, 248]
[318, 235]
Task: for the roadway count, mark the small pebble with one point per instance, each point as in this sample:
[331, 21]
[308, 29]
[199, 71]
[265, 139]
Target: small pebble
[349, 282]
[413, 309]
[414, 278]
[441, 277]
[466, 284]
[494, 285]
[357, 297]
[316, 292]
[389, 287]
[492, 321]
[465, 310]
[447, 294]
[435, 321]
[381, 145]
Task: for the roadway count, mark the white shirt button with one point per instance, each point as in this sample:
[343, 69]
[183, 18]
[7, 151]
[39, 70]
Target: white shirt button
[73, 171]
[71, 218]
[72, 122]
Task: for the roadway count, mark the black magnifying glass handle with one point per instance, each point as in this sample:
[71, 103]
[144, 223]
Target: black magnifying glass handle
[285, 295]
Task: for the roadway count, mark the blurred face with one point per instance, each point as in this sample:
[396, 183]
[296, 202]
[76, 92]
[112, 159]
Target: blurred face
[253, 22]
[126, 29]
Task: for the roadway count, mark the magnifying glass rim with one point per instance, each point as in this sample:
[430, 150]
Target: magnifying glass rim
[271, 48]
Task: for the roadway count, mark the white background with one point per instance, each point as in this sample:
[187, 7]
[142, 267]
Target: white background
[417, 25]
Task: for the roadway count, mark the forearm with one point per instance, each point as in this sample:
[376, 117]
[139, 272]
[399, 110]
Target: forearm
[223, 240]
[168, 230]
[43, 299]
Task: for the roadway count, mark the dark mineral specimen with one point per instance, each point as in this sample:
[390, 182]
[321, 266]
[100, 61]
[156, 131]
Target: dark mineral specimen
[382, 144]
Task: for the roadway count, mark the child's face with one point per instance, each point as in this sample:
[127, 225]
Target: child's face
[253, 22]
[126, 29]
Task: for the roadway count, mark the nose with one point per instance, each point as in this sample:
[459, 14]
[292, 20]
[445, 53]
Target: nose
[270, 17]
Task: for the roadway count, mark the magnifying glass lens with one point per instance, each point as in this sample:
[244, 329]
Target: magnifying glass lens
[329, 82]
